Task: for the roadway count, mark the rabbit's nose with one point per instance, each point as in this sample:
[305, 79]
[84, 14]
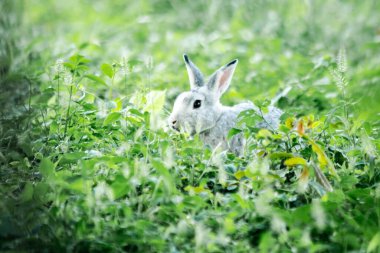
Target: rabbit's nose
[173, 125]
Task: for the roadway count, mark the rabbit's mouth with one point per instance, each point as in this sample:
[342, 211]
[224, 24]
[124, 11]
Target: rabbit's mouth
[175, 128]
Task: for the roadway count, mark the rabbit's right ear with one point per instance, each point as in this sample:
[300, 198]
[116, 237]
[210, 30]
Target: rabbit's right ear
[220, 80]
[195, 75]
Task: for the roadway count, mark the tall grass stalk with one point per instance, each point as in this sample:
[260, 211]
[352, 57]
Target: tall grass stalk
[68, 111]
[125, 75]
[149, 66]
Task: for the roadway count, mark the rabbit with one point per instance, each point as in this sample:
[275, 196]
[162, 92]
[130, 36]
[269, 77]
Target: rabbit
[199, 110]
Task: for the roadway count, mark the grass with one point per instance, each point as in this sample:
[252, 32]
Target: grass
[88, 164]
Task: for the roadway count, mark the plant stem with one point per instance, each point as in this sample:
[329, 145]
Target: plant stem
[192, 175]
[262, 116]
[150, 113]
[58, 104]
[111, 88]
[345, 111]
[58, 95]
[44, 123]
[68, 111]
[30, 96]
[29, 102]
[125, 75]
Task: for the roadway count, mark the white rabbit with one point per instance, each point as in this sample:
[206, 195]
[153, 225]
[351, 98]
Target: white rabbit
[200, 111]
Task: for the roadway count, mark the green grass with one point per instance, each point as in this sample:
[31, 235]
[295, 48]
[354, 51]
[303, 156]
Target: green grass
[88, 164]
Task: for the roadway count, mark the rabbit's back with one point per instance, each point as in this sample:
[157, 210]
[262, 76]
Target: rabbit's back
[217, 135]
[243, 106]
[271, 119]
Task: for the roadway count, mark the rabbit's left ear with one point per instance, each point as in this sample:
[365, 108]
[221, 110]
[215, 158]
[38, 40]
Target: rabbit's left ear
[221, 79]
[195, 75]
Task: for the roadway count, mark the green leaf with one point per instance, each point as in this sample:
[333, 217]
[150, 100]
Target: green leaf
[336, 196]
[76, 183]
[45, 96]
[78, 59]
[241, 201]
[367, 144]
[136, 112]
[72, 157]
[27, 192]
[348, 182]
[119, 187]
[41, 192]
[229, 225]
[69, 65]
[111, 118]
[47, 168]
[107, 70]
[248, 118]
[96, 79]
[374, 243]
[165, 174]
[267, 242]
[233, 132]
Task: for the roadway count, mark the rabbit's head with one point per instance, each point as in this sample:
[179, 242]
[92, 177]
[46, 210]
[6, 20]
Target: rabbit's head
[198, 110]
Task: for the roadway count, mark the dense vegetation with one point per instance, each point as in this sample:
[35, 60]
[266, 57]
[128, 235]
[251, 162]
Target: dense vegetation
[88, 164]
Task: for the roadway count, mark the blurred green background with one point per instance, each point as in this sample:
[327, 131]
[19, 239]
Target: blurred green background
[278, 43]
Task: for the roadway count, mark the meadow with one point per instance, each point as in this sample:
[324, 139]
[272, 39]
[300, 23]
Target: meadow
[88, 163]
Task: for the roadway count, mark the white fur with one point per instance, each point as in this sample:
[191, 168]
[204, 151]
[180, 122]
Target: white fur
[212, 121]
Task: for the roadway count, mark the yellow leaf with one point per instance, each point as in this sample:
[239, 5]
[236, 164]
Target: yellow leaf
[119, 105]
[199, 189]
[266, 142]
[261, 153]
[316, 124]
[264, 133]
[196, 189]
[323, 159]
[304, 174]
[300, 128]
[289, 122]
[279, 155]
[303, 179]
[239, 174]
[295, 161]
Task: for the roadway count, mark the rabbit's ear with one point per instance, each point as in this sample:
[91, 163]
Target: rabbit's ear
[195, 75]
[220, 80]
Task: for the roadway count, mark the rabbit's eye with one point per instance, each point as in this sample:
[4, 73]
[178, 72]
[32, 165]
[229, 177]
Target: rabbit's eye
[197, 104]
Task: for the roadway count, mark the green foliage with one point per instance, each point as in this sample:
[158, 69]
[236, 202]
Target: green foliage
[88, 164]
